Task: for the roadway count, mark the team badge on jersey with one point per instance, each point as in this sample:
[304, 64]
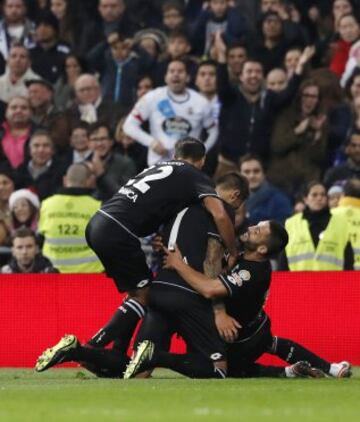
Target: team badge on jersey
[238, 278]
[176, 127]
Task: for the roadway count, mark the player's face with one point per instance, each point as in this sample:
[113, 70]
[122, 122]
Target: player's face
[252, 77]
[254, 173]
[230, 196]
[316, 199]
[176, 77]
[206, 80]
[87, 90]
[276, 80]
[24, 250]
[256, 236]
[6, 187]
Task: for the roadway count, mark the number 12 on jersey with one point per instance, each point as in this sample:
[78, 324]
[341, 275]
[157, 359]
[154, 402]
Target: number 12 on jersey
[141, 182]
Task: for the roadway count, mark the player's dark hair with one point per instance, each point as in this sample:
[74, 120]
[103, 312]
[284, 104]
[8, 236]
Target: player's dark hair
[278, 239]
[23, 232]
[236, 181]
[352, 188]
[94, 127]
[190, 148]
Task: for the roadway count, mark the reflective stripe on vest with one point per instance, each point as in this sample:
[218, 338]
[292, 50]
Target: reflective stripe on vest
[74, 261]
[329, 254]
[67, 241]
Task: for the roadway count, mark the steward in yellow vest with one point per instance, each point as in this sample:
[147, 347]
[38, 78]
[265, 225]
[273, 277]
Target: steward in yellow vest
[349, 207]
[63, 219]
[318, 240]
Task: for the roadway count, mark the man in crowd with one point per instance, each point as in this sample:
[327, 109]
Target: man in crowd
[18, 71]
[174, 112]
[26, 257]
[265, 202]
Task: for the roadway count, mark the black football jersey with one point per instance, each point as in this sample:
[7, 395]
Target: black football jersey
[158, 193]
[190, 230]
[247, 284]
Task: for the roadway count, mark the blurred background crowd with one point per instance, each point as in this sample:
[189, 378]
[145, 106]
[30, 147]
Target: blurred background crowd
[279, 82]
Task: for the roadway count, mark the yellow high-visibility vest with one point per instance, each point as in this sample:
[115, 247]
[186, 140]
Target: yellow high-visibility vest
[350, 208]
[329, 253]
[63, 219]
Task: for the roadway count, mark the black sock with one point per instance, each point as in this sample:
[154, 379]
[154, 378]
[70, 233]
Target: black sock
[191, 365]
[121, 326]
[101, 362]
[292, 352]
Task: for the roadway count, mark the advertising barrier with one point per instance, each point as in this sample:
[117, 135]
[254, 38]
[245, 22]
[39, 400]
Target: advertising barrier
[319, 310]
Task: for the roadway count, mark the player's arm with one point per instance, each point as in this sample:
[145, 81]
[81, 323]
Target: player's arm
[213, 260]
[224, 225]
[227, 326]
[208, 287]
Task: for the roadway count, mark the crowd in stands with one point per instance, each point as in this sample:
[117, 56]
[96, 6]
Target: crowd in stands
[274, 93]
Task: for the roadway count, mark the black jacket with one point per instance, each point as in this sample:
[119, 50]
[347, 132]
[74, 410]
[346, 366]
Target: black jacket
[41, 265]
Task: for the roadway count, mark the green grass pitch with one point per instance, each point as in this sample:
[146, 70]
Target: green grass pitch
[73, 395]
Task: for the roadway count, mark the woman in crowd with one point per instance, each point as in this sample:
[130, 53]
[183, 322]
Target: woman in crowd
[299, 141]
[24, 208]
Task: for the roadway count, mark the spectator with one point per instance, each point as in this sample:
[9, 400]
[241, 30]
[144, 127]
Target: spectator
[64, 86]
[15, 131]
[349, 206]
[174, 111]
[63, 219]
[351, 168]
[14, 26]
[48, 53]
[113, 18]
[111, 169]
[339, 9]
[178, 48]
[7, 187]
[90, 106]
[349, 31]
[236, 56]
[66, 13]
[246, 115]
[45, 114]
[172, 16]
[26, 257]
[276, 80]
[120, 69]
[79, 150]
[299, 141]
[130, 148]
[265, 202]
[42, 173]
[24, 208]
[144, 85]
[218, 17]
[291, 60]
[152, 41]
[18, 71]
[318, 240]
[334, 194]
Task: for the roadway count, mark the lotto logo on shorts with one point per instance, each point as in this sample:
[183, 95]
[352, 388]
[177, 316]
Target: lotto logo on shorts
[216, 356]
[142, 283]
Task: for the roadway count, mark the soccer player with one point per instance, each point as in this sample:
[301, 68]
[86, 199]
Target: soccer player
[139, 208]
[194, 314]
[244, 290]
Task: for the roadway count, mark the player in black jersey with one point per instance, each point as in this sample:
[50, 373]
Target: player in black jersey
[150, 199]
[244, 289]
[193, 229]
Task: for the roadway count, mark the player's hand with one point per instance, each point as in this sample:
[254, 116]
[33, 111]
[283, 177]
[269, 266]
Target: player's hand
[231, 261]
[227, 326]
[172, 257]
[159, 148]
[157, 244]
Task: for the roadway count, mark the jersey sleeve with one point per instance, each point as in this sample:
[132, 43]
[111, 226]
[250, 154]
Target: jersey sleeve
[143, 107]
[201, 184]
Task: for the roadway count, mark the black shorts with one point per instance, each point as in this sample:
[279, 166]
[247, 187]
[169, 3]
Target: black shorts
[245, 352]
[173, 311]
[119, 252]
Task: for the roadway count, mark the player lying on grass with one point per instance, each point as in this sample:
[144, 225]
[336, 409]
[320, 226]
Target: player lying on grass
[244, 290]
